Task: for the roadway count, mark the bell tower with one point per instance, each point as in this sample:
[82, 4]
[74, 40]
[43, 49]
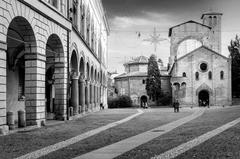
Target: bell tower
[214, 20]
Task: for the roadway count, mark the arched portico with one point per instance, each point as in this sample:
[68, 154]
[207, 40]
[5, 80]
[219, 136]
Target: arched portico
[24, 73]
[53, 78]
[82, 91]
[74, 83]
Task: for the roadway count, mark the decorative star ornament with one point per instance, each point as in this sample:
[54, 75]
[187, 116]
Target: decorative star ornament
[155, 39]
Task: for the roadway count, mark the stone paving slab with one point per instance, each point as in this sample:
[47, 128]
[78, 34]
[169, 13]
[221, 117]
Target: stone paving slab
[60, 145]
[195, 142]
[128, 144]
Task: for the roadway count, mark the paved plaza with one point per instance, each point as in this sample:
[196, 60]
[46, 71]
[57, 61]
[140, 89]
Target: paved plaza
[131, 133]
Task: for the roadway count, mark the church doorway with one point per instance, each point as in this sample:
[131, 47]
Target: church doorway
[203, 98]
[144, 101]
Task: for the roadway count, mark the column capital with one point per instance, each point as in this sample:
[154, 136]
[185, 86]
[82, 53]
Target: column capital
[81, 78]
[87, 82]
[75, 77]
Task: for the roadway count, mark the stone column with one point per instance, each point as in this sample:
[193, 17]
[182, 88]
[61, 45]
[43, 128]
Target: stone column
[101, 92]
[87, 96]
[61, 86]
[82, 94]
[3, 84]
[92, 96]
[35, 88]
[98, 95]
[74, 93]
[95, 95]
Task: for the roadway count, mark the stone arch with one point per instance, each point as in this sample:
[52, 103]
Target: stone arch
[88, 70]
[95, 74]
[204, 98]
[143, 101]
[74, 63]
[98, 77]
[204, 86]
[176, 86]
[199, 38]
[82, 66]
[187, 45]
[54, 76]
[74, 49]
[183, 85]
[21, 47]
[92, 73]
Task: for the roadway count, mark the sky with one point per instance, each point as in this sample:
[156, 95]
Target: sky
[128, 18]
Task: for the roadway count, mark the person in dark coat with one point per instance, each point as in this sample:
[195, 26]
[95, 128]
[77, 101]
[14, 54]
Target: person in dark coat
[177, 106]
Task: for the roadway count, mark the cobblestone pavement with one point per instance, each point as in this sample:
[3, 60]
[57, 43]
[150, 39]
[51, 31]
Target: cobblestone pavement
[195, 142]
[123, 146]
[57, 146]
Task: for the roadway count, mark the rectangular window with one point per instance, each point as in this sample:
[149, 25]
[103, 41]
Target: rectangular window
[75, 13]
[143, 81]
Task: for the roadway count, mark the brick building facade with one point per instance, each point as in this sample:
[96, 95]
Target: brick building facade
[53, 57]
[200, 74]
[133, 82]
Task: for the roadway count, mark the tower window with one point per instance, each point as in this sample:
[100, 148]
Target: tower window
[210, 20]
[184, 74]
[210, 75]
[143, 81]
[214, 20]
[75, 13]
[221, 75]
[197, 76]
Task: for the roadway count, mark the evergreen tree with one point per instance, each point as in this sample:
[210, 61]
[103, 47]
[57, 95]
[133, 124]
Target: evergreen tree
[235, 55]
[153, 85]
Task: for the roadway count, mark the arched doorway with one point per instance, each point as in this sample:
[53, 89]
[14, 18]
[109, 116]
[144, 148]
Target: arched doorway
[143, 101]
[203, 98]
[74, 97]
[20, 41]
[54, 49]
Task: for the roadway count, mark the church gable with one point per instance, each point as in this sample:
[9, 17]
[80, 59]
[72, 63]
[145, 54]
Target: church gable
[189, 25]
[203, 52]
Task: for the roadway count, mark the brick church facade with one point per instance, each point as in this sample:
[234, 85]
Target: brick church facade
[200, 74]
[53, 57]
